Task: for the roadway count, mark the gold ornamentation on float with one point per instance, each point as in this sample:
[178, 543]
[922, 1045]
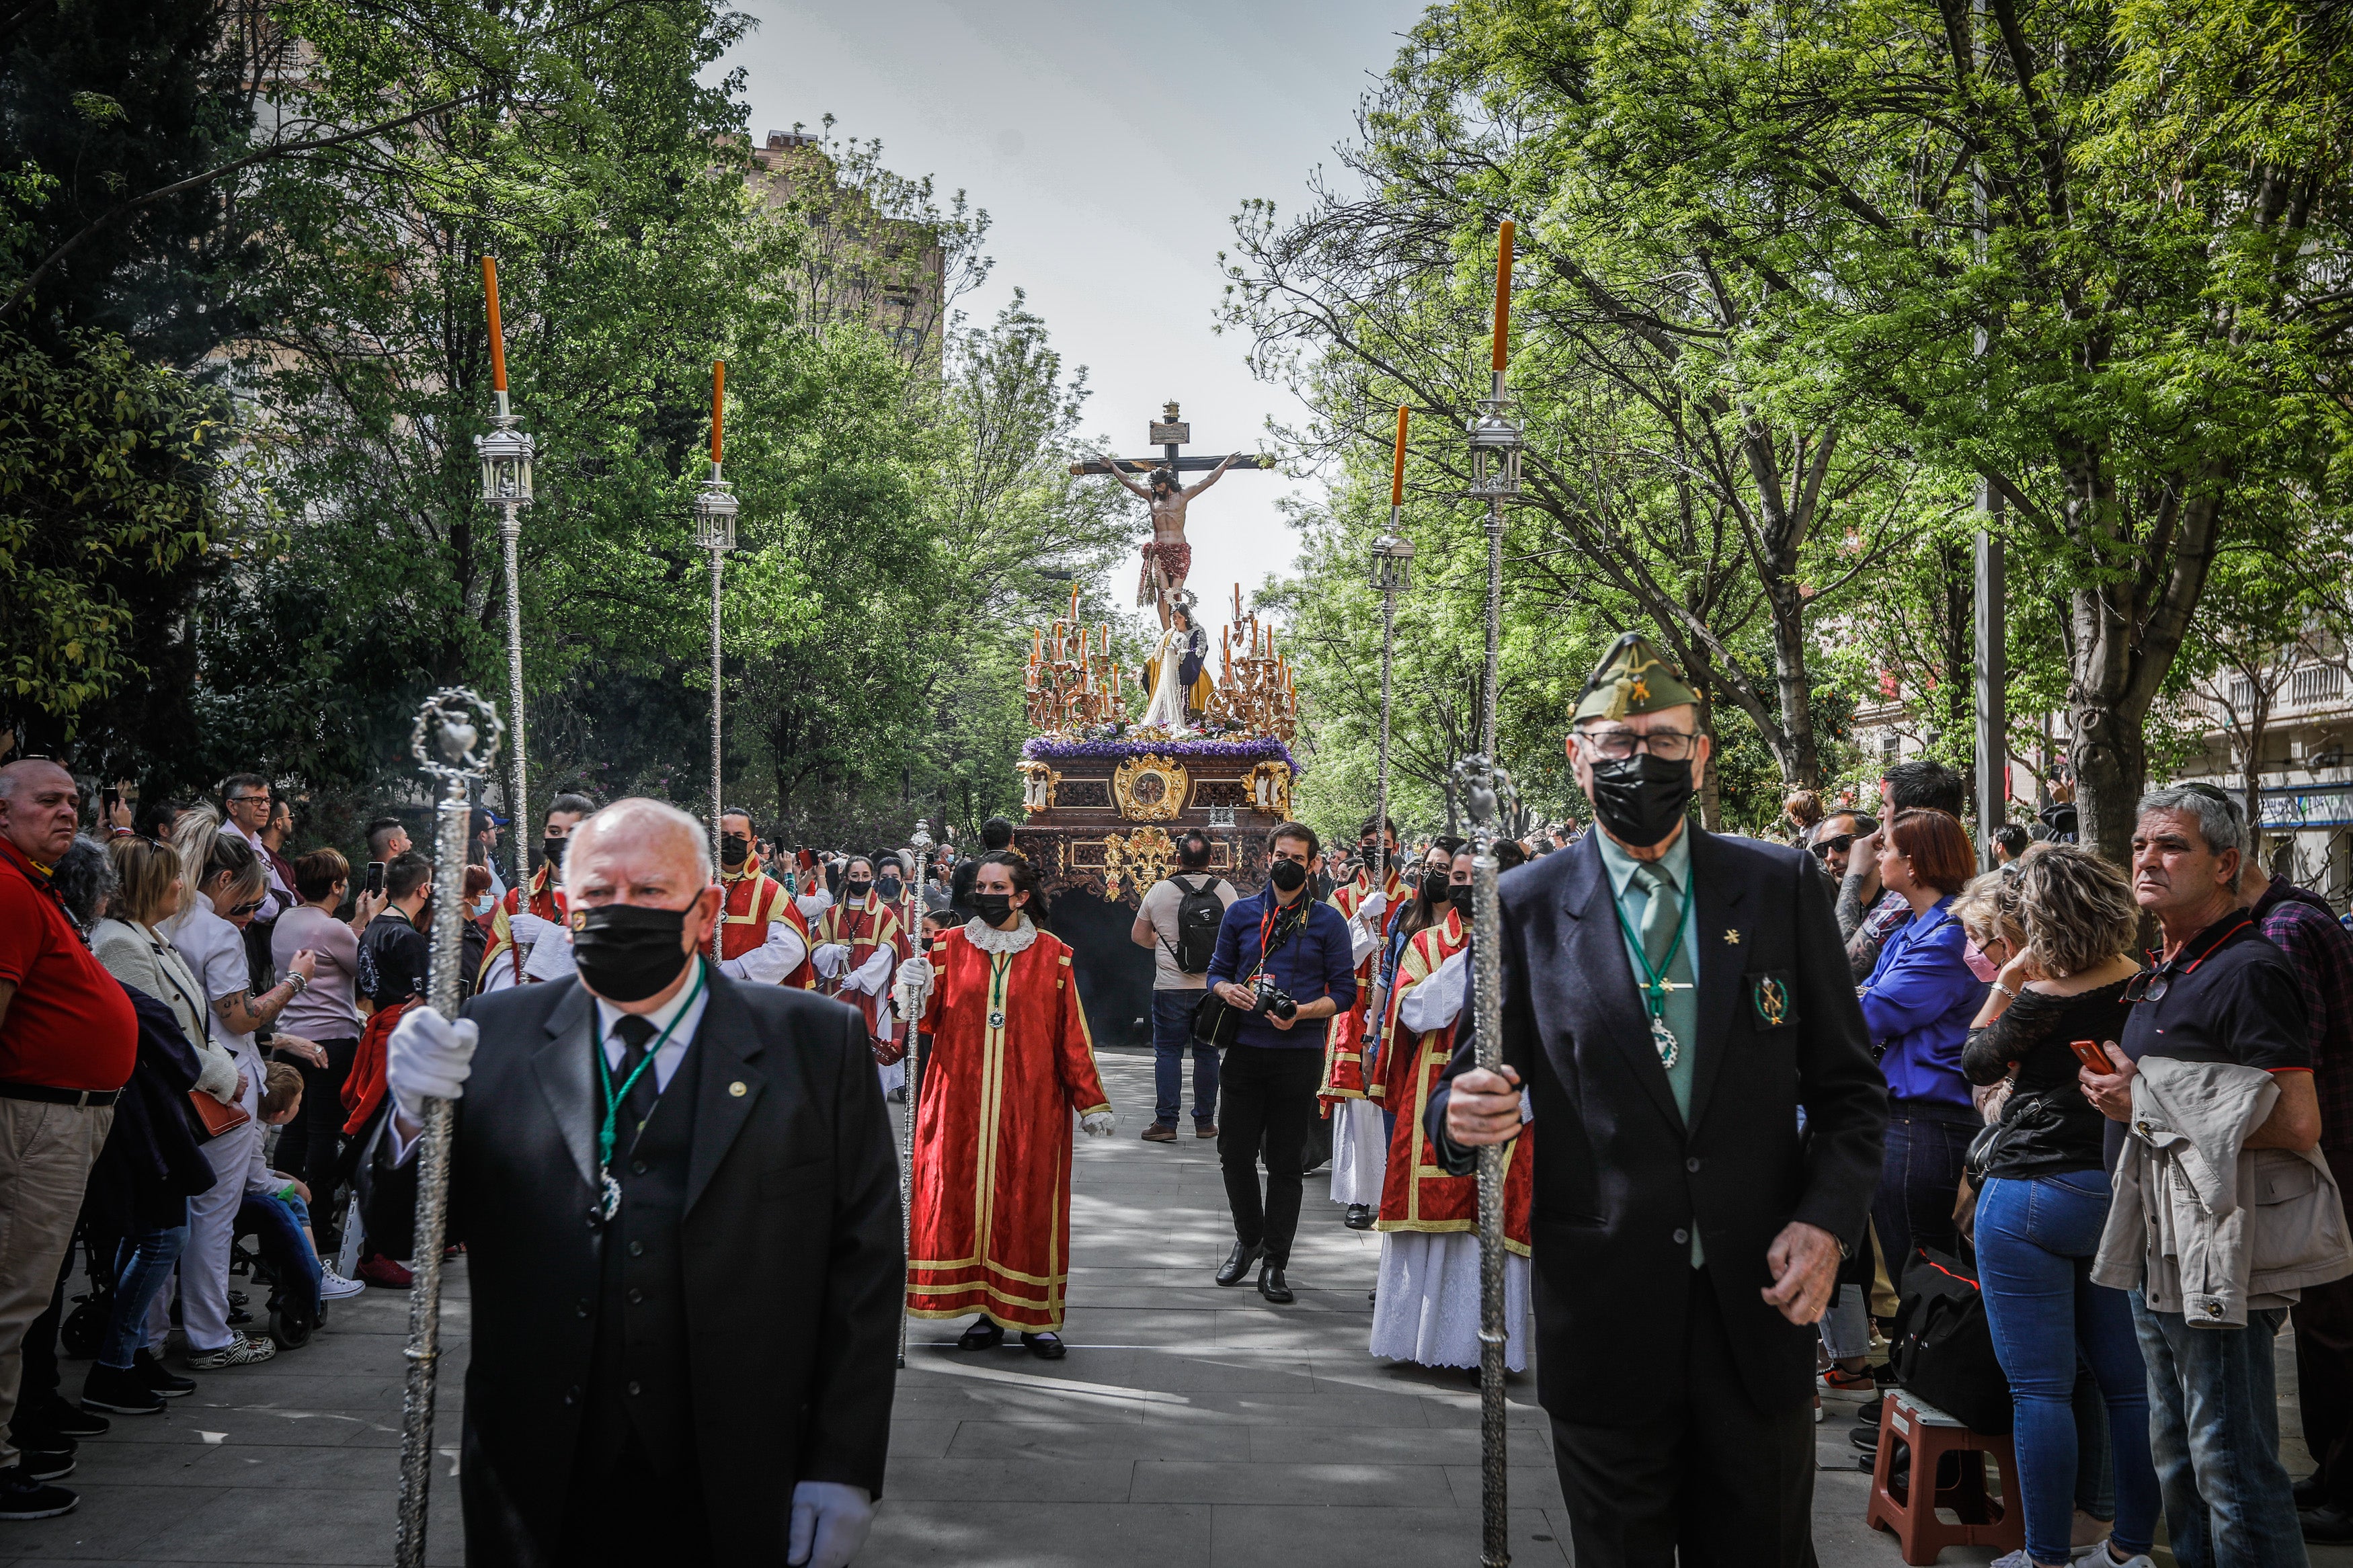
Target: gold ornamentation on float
[1141, 858]
[1037, 785]
[1149, 788]
[1270, 787]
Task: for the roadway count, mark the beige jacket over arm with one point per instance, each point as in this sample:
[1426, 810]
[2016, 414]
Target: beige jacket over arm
[147, 963]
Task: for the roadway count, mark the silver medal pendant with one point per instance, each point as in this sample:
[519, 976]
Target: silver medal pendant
[997, 1020]
[1664, 1040]
[612, 1204]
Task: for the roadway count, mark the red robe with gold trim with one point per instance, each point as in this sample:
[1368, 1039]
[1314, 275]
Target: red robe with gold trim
[755, 901]
[1344, 1045]
[1011, 1062]
[1418, 1193]
[864, 930]
[546, 902]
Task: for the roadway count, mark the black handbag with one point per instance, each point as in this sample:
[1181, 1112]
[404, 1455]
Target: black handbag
[1943, 1346]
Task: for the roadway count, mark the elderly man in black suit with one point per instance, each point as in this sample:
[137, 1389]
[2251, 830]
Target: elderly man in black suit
[681, 1209]
[1673, 1001]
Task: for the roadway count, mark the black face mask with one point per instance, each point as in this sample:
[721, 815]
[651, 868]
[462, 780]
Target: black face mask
[1640, 798]
[891, 887]
[859, 889]
[1459, 895]
[733, 847]
[552, 848]
[993, 907]
[1287, 876]
[628, 952]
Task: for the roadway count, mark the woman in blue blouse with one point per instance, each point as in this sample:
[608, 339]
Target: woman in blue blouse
[1917, 1005]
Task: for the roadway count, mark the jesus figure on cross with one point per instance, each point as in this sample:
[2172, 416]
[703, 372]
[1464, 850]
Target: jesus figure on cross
[1168, 558]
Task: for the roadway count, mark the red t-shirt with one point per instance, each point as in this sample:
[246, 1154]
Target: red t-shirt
[70, 1025]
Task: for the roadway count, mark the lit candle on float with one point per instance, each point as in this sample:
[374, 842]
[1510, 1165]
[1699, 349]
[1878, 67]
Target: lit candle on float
[1503, 295]
[1074, 603]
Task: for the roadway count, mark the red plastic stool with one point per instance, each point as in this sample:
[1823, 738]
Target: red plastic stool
[1911, 1424]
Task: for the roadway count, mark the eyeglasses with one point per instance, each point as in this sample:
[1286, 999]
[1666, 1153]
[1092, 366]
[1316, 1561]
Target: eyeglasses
[1617, 745]
[2149, 984]
[1837, 844]
[246, 799]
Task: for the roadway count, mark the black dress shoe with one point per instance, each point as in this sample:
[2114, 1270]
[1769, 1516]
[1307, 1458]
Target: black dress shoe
[1045, 1347]
[2326, 1525]
[1270, 1285]
[167, 1383]
[2309, 1492]
[1360, 1216]
[73, 1421]
[1237, 1266]
[1865, 1438]
[1869, 1413]
[984, 1335]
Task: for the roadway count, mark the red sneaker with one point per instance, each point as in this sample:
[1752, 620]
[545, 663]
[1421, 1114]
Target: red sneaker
[379, 1270]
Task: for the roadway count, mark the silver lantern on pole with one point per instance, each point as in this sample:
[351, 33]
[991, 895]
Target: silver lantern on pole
[454, 740]
[714, 530]
[505, 456]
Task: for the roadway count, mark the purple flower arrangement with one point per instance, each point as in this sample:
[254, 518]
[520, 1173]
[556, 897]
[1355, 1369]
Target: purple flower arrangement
[1259, 748]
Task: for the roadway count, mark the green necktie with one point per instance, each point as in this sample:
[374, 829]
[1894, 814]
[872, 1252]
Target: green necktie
[1661, 922]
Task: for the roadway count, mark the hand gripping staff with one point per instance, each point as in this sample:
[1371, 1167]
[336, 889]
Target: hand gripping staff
[456, 741]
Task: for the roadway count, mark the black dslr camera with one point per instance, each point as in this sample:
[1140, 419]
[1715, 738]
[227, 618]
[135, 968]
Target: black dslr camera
[1275, 1001]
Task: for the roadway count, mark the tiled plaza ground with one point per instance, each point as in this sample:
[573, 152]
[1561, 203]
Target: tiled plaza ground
[1190, 1427]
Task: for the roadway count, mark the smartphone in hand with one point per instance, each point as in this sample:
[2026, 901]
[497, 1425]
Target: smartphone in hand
[375, 877]
[2094, 1056]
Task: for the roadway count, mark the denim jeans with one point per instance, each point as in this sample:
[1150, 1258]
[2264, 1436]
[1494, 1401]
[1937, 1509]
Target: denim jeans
[2035, 1238]
[276, 1223]
[1172, 1036]
[2213, 1430]
[147, 1262]
[1919, 1177]
[1846, 1325]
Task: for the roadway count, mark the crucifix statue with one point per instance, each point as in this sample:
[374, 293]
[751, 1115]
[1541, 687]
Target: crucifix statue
[1168, 558]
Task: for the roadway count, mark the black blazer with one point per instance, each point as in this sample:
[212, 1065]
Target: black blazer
[794, 1267]
[1619, 1180]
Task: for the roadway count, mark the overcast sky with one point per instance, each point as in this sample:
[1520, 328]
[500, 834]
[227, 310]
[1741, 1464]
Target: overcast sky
[1112, 143]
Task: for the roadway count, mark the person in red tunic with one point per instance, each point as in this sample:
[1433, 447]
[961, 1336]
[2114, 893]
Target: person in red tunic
[1010, 1061]
[762, 937]
[859, 944]
[516, 921]
[1358, 1138]
[1426, 1304]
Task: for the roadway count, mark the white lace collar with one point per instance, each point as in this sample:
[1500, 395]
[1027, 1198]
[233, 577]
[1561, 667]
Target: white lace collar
[989, 939]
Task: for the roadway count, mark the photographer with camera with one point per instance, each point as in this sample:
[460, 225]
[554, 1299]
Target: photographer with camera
[1284, 964]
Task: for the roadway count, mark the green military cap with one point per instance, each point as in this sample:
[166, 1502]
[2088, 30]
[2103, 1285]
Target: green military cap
[1632, 678]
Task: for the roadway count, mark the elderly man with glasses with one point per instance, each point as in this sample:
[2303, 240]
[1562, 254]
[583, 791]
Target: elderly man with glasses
[1673, 1001]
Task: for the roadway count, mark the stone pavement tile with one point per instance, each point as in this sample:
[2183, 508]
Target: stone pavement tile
[1252, 1536]
[110, 1525]
[1036, 1535]
[338, 1526]
[996, 1403]
[1048, 1445]
[1526, 1485]
[1394, 1445]
[1243, 1481]
[183, 1421]
[1345, 1409]
[1015, 1476]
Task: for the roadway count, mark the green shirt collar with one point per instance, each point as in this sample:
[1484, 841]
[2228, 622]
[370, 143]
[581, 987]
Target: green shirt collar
[1675, 863]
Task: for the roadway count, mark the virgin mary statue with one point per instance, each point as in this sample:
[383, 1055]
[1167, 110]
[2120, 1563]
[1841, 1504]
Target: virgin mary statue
[1176, 665]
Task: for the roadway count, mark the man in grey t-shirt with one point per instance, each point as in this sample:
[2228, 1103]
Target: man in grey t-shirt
[1176, 992]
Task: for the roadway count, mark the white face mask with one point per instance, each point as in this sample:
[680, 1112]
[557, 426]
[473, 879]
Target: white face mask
[483, 905]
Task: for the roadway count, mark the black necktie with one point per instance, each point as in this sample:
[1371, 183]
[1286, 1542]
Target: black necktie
[635, 1032]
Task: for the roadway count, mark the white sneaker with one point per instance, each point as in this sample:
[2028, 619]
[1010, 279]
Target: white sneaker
[239, 1351]
[333, 1287]
[2100, 1556]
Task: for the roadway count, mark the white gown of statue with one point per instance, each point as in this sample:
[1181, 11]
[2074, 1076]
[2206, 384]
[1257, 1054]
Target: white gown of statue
[1167, 709]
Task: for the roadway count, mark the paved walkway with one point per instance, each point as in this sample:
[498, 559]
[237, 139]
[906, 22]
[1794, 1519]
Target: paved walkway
[1190, 1427]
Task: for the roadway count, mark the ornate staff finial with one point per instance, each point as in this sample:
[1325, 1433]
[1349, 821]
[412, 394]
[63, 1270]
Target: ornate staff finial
[456, 735]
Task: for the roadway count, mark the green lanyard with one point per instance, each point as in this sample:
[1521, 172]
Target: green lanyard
[611, 1188]
[1656, 984]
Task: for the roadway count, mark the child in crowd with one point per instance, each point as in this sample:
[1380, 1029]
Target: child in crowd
[281, 1103]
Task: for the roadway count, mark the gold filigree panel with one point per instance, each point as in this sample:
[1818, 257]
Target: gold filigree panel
[1140, 858]
[1149, 788]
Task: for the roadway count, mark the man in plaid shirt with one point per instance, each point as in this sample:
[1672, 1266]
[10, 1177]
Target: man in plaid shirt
[2302, 925]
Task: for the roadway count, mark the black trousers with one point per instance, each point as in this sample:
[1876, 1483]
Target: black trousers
[309, 1145]
[2323, 1369]
[1702, 1473]
[629, 1511]
[1269, 1097]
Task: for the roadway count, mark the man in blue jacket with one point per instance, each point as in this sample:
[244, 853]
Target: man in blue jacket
[1300, 946]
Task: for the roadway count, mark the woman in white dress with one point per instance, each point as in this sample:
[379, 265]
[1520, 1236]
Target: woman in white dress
[1167, 709]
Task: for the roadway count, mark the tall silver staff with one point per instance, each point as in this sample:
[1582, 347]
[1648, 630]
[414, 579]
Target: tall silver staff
[714, 530]
[456, 740]
[1495, 443]
[912, 903]
[505, 455]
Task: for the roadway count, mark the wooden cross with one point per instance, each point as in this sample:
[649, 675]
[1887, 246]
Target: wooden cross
[1168, 432]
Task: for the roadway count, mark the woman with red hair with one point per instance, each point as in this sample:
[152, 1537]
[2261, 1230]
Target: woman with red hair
[1917, 1005]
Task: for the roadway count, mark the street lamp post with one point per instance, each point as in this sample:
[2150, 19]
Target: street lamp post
[714, 530]
[505, 455]
[1495, 443]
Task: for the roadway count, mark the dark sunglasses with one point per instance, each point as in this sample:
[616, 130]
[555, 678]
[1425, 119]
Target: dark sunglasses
[2149, 984]
[248, 909]
[1837, 844]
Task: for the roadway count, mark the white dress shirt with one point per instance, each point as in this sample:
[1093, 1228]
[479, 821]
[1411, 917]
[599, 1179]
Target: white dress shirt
[280, 898]
[673, 1050]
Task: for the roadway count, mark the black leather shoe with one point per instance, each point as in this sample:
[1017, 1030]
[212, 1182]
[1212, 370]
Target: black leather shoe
[1045, 1347]
[73, 1421]
[1237, 1266]
[1865, 1438]
[2326, 1525]
[1270, 1285]
[167, 1383]
[1869, 1413]
[1360, 1216]
[2309, 1492]
[984, 1335]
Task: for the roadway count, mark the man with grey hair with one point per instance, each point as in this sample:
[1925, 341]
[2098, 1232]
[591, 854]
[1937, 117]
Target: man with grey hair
[2219, 994]
[681, 1209]
[68, 1039]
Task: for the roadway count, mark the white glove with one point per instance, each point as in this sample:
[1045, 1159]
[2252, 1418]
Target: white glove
[427, 1057]
[829, 1525]
[1099, 1123]
[829, 957]
[915, 981]
[527, 928]
[1375, 905]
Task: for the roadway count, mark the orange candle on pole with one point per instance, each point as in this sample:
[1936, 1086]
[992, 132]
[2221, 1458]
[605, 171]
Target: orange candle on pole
[717, 405]
[1503, 295]
[1396, 468]
[1074, 603]
[497, 338]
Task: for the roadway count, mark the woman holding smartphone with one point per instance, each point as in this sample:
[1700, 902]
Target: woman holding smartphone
[2043, 1198]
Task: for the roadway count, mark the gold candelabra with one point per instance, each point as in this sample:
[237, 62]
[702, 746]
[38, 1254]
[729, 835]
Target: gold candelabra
[1255, 690]
[1071, 680]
